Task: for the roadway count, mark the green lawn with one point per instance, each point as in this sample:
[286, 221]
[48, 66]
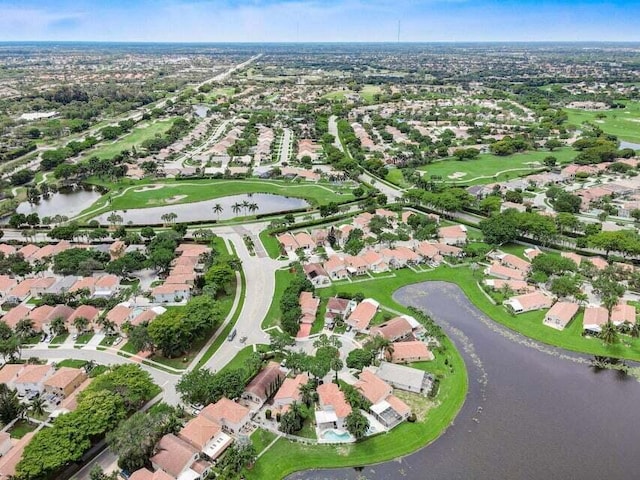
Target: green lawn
[84, 338]
[135, 138]
[73, 363]
[487, 167]
[624, 123]
[108, 341]
[261, 439]
[21, 428]
[283, 279]
[270, 243]
[216, 93]
[395, 176]
[189, 191]
[59, 339]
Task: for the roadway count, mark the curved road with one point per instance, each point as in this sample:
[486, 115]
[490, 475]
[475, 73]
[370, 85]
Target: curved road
[532, 411]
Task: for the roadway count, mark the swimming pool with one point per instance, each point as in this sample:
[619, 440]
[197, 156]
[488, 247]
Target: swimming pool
[336, 436]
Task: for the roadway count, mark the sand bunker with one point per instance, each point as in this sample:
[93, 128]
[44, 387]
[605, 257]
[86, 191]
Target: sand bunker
[175, 198]
[456, 175]
[148, 188]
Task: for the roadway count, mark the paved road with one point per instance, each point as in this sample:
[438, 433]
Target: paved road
[219, 130]
[285, 146]
[163, 379]
[260, 287]
[333, 130]
[392, 192]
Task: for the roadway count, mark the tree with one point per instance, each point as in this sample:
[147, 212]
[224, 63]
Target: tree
[490, 204]
[566, 202]
[24, 328]
[565, 286]
[201, 314]
[147, 232]
[140, 339]
[58, 326]
[36, 406]
[134, 440]
[357, 424]
[170, 333]
[609, 333]
[499, 229]
[359, 358]
[292, 421]
[236, 458]
[10, 347]
[80, 324]
[279, 341]
[10, 406]
[114, 219]
[129, 381]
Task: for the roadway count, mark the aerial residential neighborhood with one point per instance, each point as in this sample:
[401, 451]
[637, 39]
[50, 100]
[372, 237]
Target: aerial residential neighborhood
[307, 240]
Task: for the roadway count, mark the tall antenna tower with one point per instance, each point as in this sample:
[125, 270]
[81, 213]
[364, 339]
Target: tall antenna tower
[398, 31]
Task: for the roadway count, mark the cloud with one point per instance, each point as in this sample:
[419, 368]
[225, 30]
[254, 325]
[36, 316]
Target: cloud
[21, 21]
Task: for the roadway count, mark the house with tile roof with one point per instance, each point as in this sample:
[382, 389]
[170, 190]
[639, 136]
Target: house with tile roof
[334, 408]
[409, 352]
[560, 315]
[363, 314]
[263, 386]
[231, 416]
[64, 381]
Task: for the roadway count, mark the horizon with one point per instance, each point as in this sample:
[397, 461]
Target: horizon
[314, 21]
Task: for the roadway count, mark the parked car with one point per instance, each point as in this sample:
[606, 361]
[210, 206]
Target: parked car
[75, 336]
[243, 339]
[117, 341]
[232, 335]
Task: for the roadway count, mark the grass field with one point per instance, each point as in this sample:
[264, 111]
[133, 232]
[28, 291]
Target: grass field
[283, 279]
[367, 93]
[395, 176]
[135, 138]
[490, 168]
[21, 428]
[624, 123]
[135, 196]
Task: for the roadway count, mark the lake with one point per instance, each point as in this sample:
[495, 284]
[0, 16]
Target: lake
[532, 411]
[200, 211]
[67, 204]
[625, 144]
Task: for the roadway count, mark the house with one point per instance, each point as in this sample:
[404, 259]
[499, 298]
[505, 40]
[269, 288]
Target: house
[13, 316]
[40, 285]
[623, 313]
[206, 435]
[316, 274]
[449, 250]
[529, 302]
[505, 273]
[287, 242]
[84, 283]
[171, 292]
[398, 328]
[59, 311]
[6, 285]
[560, 315]
[517, 286]
[70, 403]
[31, 379]
[511, 261]
[263, 385]
[106, 286]
[362, 315]
[9, 373]
[375, 262]
[336, 268]
[412, 351]
[146, 474]
[309, 307]
[356, 265]
[119, 314]
[10, 460]
[231, 416]
[89, 312]
[404, 378]
[594, 319]
[385, 407]
[304, 241]
[147, 316]
[64, 381]
[453, 235]
[62, 286]
[39, 318]
[337, 307]
[531, 253]
[21, 291]
[179, 459]
[598, 262]
[289, 391]
[334, 408]
[428, 252]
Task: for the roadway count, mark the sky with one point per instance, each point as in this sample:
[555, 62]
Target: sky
[319, 20]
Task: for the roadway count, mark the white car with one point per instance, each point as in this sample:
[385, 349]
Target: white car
[117, 340]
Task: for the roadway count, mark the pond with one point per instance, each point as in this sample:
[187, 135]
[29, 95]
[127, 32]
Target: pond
[532, 411]
[66, 204]
[200, 211]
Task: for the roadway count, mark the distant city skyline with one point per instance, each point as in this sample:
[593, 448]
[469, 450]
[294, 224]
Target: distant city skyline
[319, 21]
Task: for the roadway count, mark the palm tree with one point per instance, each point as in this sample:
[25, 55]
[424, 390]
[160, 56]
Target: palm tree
[57, 326]
[245, 204]
[609, 333]
[217, 209]
[37, 406]
[308, 393]
[108, 326]
[24, 328]
[114, 219]
[253, 207]
[80, 324]
[325, 341]
[236, 207]
[336, 366]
